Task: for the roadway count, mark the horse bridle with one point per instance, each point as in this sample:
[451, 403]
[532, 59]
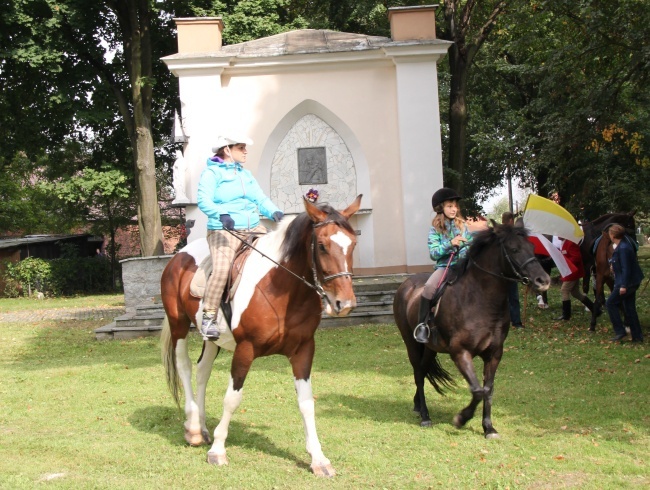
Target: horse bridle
[517, 270]
[317, 285]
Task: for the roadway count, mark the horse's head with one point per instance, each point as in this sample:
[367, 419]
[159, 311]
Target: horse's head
[516, 256]
[323, 240]
[333, 242]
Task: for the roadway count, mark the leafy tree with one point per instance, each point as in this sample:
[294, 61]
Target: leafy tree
[106, 199]
[467, 23]
[27, 207]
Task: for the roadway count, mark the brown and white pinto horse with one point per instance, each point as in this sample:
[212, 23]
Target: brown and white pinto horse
[273, 312]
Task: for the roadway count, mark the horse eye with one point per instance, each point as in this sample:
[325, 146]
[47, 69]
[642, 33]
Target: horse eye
[322, 248]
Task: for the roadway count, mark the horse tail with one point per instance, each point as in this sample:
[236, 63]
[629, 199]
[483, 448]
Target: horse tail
[168, 353]
[438, 376]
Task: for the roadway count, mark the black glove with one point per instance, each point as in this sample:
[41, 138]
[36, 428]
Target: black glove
[227, 222]
[277, 216]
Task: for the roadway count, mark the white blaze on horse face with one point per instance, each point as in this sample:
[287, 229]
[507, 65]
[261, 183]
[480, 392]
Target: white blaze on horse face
[343, 241]
[256, 267]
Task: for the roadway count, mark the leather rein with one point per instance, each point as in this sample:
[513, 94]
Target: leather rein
[518, 270]
[316, 286]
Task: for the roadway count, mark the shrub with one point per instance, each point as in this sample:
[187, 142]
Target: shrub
[58, 277]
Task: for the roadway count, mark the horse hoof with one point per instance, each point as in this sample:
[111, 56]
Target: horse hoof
[207, 439]
[194, 439]
[426, 423]
[217, 459]
[492, 435]
[323, 470]
[458, 422]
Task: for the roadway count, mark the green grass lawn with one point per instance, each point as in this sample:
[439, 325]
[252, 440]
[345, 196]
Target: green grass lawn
[571, 408]
[96, 301]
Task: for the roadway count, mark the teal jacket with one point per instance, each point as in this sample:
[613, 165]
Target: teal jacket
[440, 247]
[228, 188]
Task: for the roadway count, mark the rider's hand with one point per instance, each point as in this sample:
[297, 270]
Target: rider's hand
[277, 216]
[227, 222]
[457, 240]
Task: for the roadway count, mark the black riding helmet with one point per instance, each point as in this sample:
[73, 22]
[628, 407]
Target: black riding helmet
[444, 194]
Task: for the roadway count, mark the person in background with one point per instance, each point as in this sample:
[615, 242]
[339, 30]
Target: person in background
[508, 219]
[449, 239]
[627, 279]
[571, 283]
[232, 200]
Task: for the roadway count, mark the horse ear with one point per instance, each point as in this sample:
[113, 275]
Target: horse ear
[352, 208]
[494, 223]
[632, 213]
[315, 213]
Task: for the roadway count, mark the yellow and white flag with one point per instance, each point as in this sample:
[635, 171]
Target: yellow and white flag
[546, 217]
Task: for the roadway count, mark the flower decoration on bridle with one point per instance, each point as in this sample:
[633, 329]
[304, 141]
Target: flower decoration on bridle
[312, 195]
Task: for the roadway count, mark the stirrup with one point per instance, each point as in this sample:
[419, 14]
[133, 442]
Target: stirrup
[422, 327]
[209, 328]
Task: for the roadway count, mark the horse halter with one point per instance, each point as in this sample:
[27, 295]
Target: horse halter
[518, 270]
[317, 285]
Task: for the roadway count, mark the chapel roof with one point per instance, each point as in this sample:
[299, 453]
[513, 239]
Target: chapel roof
[307, 41]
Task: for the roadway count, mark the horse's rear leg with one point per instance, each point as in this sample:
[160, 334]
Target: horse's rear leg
[420, 360]
[242, 360]
[301, 363]
[203, 371]
[193, 434]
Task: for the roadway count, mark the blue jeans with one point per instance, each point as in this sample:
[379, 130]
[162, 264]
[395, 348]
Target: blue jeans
[513, 303]
[628, 301]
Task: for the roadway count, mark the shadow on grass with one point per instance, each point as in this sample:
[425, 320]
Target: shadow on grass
[167, 422]
[389, 411]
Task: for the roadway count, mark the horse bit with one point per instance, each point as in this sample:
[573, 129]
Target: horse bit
[519, 277]
[317, 285]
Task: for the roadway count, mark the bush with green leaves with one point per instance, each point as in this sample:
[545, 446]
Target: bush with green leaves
[57, 277]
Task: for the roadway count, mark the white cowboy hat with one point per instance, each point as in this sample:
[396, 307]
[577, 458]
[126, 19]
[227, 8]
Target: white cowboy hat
[230, 139]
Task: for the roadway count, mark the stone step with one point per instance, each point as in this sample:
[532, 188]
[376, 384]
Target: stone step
[374, 305]
[113, 332]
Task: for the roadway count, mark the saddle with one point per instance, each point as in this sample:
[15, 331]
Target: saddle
[200, 279]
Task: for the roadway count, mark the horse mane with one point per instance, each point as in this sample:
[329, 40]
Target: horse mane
[485, 238]
[300, 230]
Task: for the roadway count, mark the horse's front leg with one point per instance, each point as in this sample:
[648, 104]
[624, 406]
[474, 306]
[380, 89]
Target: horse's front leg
[301, 363]
[463, 361]
[241, 363]
[203, 371]
[490, 366]
[192, 419]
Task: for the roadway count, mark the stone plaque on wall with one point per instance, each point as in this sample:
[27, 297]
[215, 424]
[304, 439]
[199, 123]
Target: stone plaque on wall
[312, 166]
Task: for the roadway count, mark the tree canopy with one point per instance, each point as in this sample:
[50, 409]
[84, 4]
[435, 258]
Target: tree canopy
[552, 90]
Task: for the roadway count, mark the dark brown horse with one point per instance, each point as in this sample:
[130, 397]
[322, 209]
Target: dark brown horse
[472, 318]
[275, 310]
[602, 275]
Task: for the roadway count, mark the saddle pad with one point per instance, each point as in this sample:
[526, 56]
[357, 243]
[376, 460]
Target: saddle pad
[200, 279]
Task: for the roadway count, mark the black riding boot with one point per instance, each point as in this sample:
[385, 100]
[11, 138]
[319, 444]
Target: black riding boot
[566, 311]
[422, 331]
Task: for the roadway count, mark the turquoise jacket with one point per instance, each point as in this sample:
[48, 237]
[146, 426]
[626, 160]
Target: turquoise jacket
[228, 188]
[440, 247]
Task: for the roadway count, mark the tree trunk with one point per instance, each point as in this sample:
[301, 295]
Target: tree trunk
[135, 20]
[457, 118]
[148, 210]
